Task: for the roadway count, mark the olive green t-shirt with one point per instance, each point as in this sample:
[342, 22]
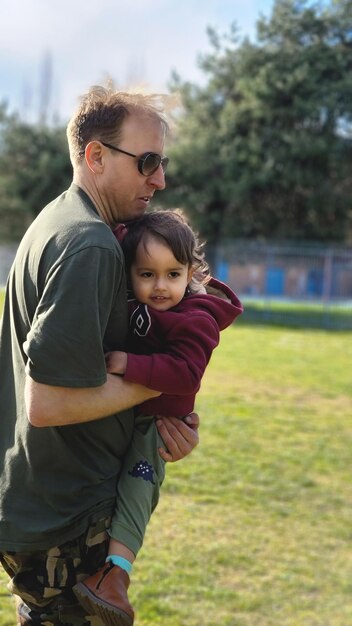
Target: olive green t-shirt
[65, 306]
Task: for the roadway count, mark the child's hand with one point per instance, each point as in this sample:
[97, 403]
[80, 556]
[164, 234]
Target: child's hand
[116, 362]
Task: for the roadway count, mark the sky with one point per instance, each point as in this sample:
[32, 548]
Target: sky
[78, 43]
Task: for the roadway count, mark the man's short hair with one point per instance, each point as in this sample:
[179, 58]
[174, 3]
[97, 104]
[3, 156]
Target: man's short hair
[101, 113]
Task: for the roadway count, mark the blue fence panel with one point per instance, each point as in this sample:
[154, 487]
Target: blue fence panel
[275, 281]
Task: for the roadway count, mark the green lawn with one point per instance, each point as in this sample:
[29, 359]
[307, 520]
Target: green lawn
[254, 528]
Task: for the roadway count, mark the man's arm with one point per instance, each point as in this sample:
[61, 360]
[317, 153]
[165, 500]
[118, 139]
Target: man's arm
[47, 405]
[58, 406]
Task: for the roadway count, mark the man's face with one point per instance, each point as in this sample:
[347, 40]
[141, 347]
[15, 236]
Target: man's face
[124, 191]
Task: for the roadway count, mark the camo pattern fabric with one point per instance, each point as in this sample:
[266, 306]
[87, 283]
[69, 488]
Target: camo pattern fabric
[42, 581]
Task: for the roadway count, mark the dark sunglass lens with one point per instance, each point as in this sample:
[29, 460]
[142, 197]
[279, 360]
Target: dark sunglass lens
[164, 163]
[151, 163]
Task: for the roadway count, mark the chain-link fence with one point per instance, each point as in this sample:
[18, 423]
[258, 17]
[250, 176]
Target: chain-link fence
[302, 285]
[296, 284]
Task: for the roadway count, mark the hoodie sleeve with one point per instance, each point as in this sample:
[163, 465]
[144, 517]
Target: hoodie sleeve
[180, 369]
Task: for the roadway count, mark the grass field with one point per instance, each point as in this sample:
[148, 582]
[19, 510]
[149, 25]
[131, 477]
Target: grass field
[254, 528]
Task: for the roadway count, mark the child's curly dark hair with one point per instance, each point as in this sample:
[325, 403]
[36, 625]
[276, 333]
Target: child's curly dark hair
[171, 228]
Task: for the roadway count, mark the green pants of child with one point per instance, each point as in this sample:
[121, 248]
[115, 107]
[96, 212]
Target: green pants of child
[142, 474]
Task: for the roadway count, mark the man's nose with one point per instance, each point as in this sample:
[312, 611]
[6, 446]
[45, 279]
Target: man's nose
[157, 179]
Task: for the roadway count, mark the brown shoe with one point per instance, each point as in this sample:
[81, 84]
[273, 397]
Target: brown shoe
[105, 594]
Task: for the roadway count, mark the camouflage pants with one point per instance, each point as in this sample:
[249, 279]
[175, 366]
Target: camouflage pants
[42, 581]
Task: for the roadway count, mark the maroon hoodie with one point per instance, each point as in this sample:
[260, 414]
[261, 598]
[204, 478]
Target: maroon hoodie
[169, 350]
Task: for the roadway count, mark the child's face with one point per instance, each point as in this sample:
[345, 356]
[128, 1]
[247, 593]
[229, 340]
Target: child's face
[158, 279]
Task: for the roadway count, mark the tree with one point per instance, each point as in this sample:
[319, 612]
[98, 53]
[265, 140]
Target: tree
[34, 168]
[265, 148]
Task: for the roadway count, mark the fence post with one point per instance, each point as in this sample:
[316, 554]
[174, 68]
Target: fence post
[327, 278]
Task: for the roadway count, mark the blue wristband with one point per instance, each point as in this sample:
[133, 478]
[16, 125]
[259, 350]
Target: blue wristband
[121, 562]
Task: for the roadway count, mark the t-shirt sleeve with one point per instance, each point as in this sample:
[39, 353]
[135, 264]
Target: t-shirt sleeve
[65, 344]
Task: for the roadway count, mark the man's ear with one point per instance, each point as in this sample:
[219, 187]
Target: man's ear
[94, 156]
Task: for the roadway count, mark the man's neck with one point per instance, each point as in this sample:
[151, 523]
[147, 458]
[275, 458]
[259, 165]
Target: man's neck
[88, 186]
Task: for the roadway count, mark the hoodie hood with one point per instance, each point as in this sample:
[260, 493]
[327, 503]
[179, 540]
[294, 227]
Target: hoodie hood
[219, 300]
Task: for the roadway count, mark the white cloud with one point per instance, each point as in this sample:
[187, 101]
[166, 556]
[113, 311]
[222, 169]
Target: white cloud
[89, 40]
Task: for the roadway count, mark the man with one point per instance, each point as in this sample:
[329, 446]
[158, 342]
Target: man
[65, 423]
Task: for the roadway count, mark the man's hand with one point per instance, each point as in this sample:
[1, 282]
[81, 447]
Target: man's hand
[179, 436]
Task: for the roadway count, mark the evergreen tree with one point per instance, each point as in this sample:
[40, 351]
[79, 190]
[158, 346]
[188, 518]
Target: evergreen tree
[265, 148]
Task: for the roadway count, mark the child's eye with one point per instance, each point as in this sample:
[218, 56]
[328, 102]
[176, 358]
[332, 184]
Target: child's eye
[146, 274]
[174, 274]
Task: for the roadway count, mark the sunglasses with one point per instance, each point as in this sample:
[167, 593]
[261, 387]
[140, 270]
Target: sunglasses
[148, 162]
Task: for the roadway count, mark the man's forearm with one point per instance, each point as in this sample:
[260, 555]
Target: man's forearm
[47, 405]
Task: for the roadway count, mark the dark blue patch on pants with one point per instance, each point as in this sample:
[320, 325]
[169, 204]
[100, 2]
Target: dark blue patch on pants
[144, 470]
